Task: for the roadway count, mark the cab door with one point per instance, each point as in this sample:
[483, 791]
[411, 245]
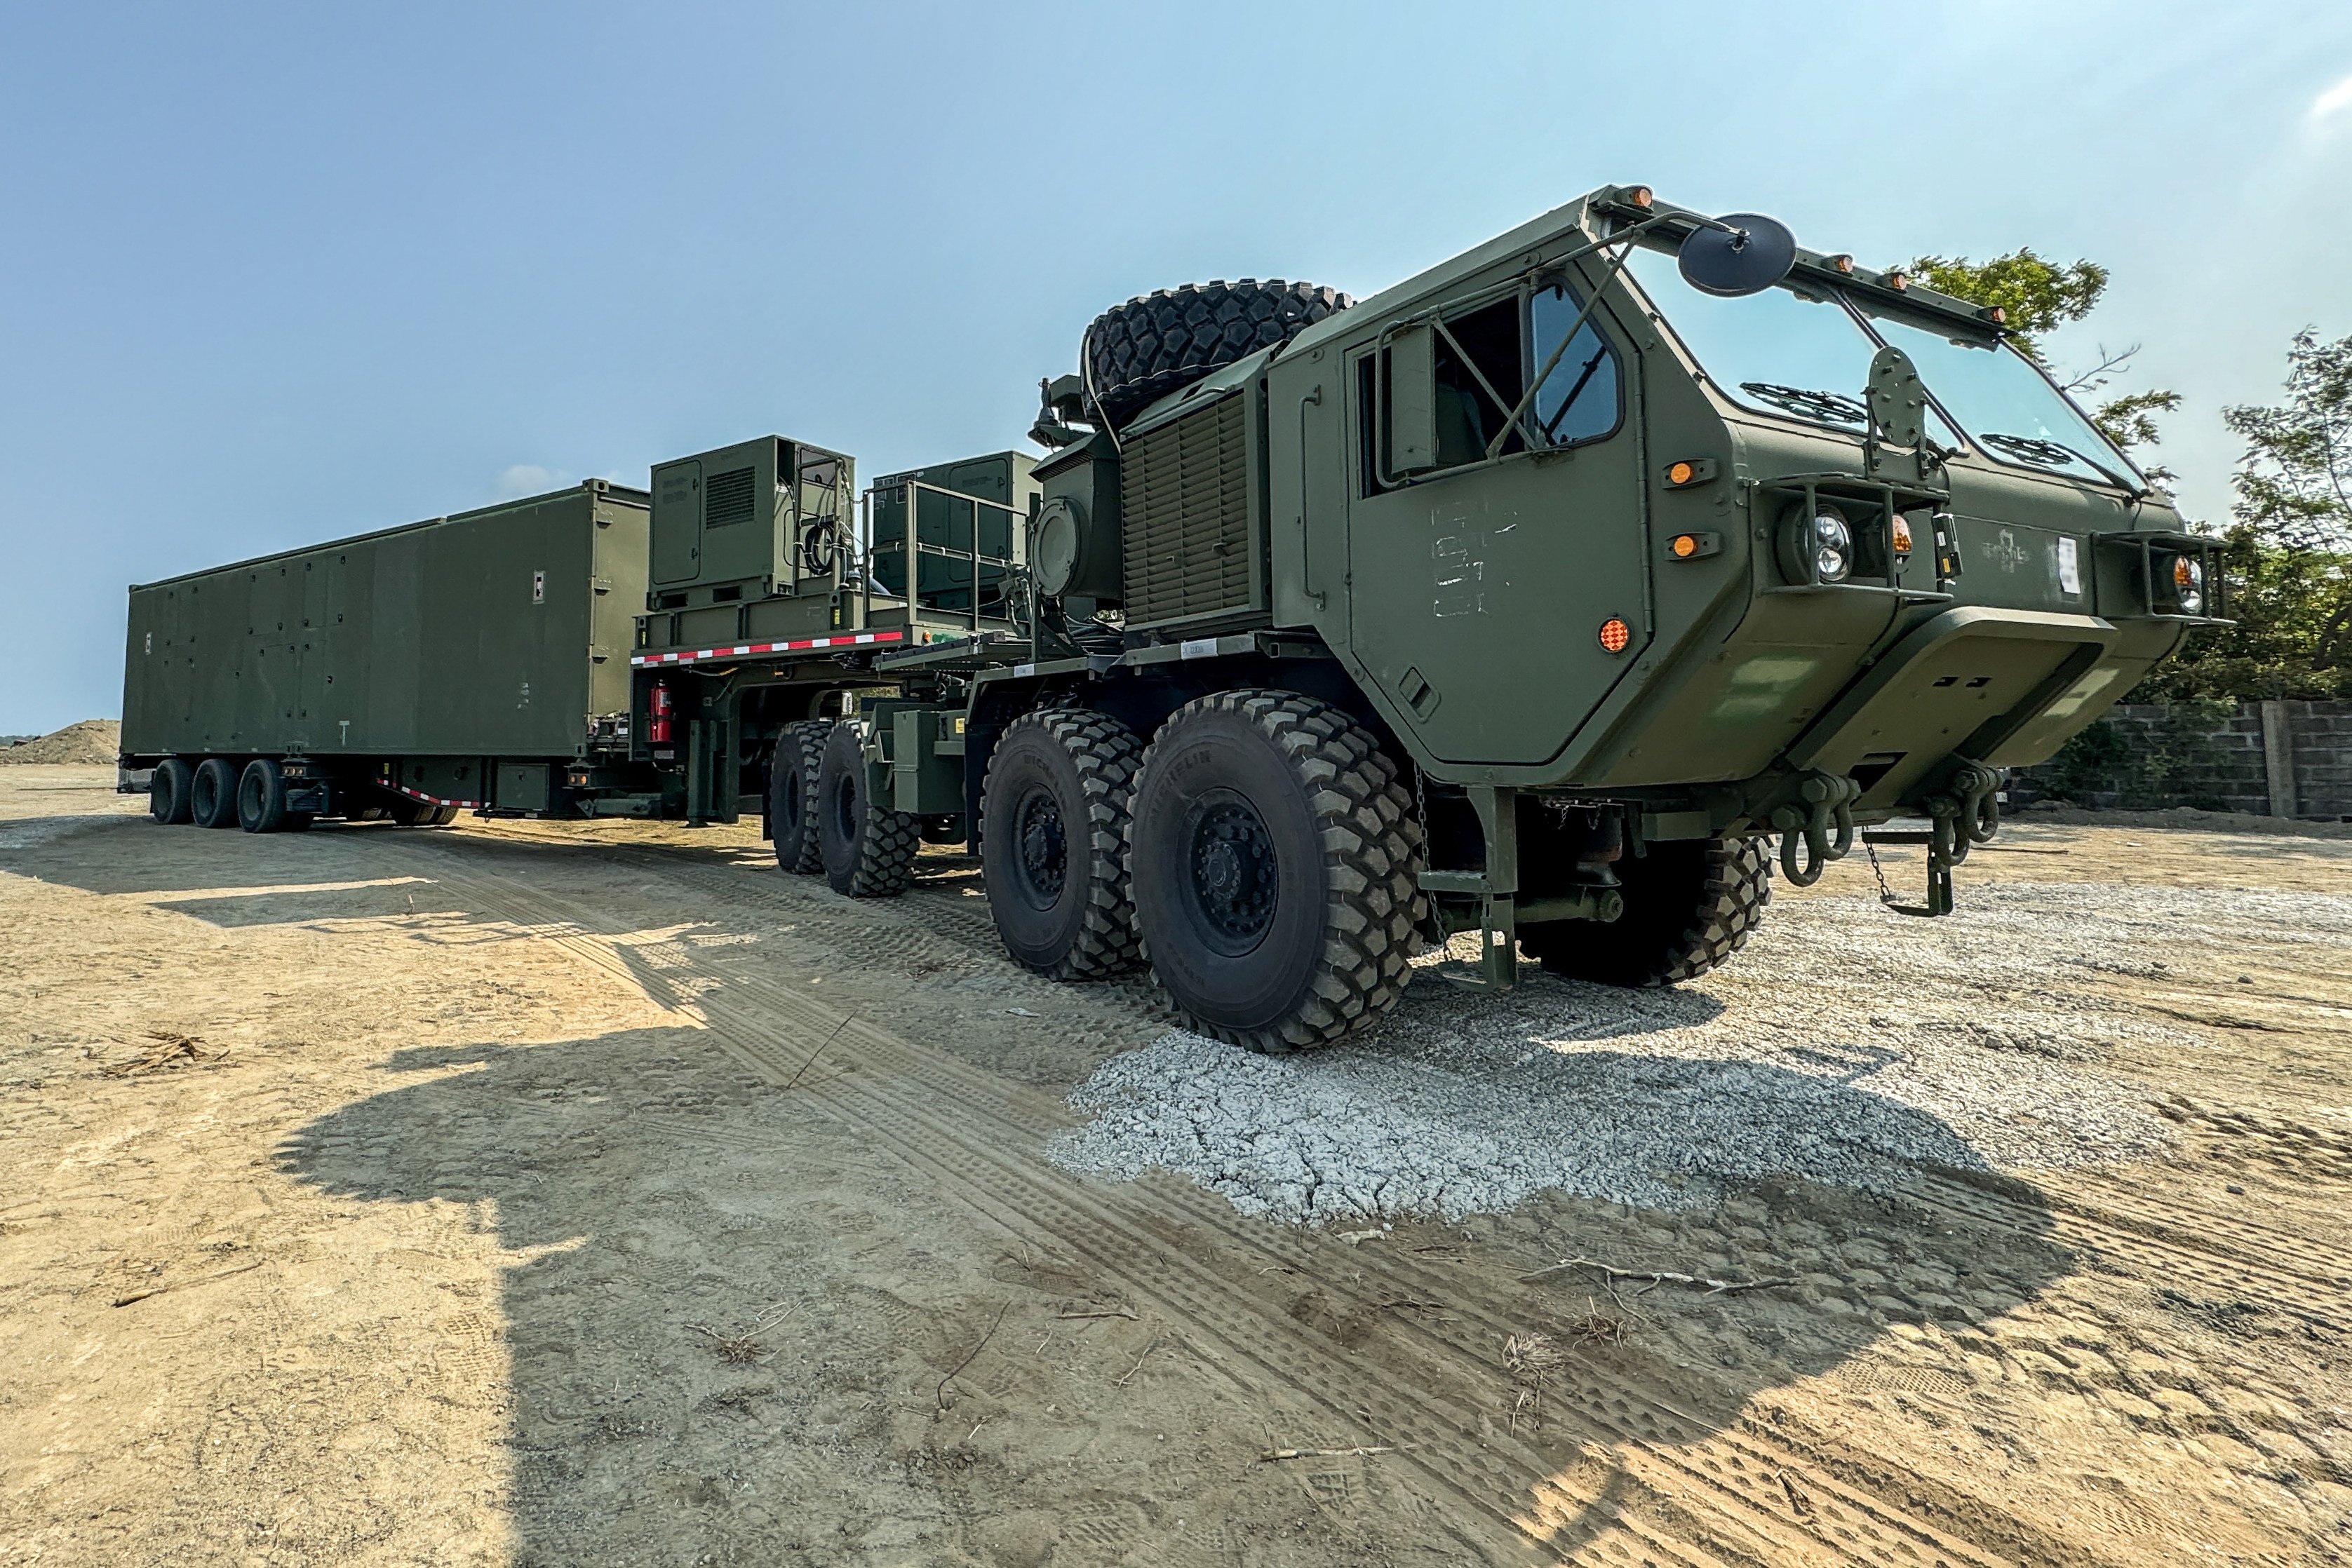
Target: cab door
[1480, 586]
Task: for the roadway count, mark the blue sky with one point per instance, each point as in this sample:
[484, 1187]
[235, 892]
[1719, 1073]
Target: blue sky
[270, 274]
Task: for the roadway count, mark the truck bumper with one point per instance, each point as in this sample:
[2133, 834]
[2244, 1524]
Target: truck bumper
[2004, 687]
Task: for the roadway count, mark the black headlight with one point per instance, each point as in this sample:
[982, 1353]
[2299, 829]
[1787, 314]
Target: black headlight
[1816, 545]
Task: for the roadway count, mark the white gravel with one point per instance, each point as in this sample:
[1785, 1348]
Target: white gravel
[1845, 1046]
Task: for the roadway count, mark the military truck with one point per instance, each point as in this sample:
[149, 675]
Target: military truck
[1534, 598]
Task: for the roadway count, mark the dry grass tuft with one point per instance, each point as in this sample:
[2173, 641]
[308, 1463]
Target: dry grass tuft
[170, 1049]
[736, 1350]
[1598, 1328]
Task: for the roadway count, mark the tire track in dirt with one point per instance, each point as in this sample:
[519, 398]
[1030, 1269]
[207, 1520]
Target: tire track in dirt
[1261, 1356]
[1649, 1483]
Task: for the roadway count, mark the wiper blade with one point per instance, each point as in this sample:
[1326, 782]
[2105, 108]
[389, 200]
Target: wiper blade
[1808, 404]
[2052, 454]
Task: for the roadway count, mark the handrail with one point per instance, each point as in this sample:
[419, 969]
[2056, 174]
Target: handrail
[913, 550]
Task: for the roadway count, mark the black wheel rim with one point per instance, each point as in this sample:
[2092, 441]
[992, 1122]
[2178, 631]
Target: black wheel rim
[1041, 848]
[1232, 874]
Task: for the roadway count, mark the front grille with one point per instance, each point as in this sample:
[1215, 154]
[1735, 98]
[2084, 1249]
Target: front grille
[727, 499]
[1184, 494]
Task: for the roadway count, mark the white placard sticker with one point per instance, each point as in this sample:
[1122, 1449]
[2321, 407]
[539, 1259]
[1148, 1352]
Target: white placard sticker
[2070, 565]
[1198, 648]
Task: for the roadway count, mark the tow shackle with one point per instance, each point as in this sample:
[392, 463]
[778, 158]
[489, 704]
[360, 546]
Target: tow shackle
[1823, 826]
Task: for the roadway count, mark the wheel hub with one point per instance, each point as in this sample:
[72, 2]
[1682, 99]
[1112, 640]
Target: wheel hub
[1045, 849]
[1234, 871]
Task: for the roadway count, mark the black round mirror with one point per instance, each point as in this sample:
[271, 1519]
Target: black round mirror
[1758, 253]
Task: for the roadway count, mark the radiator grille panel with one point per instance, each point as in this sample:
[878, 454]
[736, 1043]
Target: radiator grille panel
[1184, 494]
[727, 499]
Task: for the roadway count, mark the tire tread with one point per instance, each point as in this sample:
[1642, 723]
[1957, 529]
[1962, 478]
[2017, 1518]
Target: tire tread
[1371, 854]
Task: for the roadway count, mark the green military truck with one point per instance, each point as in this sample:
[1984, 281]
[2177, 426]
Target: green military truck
[1549, 595]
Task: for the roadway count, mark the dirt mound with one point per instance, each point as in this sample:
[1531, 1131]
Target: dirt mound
[92, 743]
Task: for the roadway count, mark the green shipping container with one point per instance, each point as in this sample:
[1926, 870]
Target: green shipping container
[499, 632]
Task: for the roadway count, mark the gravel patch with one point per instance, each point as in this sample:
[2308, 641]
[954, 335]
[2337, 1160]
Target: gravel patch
[1844, 1046]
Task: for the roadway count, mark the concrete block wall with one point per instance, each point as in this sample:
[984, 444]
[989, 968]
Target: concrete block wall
[2320, 745]
[2270, 758]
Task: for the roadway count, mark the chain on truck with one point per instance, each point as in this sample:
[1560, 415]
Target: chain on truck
[1552, 596]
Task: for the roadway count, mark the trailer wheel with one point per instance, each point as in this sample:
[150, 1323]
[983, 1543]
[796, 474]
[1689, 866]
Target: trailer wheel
[261, 800]
[869, 849]
[212, 797]
[1054, 819]
[1273, 855]
[792, 795]
[1690, 904]
[168, 791]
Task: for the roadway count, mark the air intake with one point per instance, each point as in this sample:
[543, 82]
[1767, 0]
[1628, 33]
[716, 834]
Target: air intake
[1185, 499]
[727, 499]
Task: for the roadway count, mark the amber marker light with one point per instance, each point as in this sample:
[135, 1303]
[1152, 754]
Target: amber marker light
[1682, 472]
[1615, 634]
[1639, 195]
[1898, 281]
[1684, 546]
[1843, 263]
[1902, 535]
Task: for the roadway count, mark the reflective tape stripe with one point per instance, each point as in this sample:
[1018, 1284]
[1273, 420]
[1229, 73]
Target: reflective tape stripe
[850, 640]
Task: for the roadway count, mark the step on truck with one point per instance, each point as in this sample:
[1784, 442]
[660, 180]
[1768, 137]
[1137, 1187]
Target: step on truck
[1555, 596]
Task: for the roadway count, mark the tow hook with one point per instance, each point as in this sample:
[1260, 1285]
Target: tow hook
[1965, 813]
[1826, 809]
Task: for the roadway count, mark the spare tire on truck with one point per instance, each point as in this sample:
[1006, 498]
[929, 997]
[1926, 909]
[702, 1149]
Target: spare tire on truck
[1157, 342]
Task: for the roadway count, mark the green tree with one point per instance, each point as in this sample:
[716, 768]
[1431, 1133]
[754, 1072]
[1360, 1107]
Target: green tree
[2039, 295]
[2289, 564]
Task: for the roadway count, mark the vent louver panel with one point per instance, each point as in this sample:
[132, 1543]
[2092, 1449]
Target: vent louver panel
[1184, 494]
[727, 499]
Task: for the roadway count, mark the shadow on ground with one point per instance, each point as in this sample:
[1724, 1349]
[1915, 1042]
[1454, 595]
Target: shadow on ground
[669, 1204]
[664, 1203]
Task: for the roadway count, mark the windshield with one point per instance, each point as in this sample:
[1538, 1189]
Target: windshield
[1778, 351]
[2011, 408]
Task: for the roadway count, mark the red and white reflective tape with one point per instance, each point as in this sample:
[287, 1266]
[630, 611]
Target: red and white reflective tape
[436, 799]
[743, 650]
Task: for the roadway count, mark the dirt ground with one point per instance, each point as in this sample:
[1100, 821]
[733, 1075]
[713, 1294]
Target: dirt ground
[532, 1194]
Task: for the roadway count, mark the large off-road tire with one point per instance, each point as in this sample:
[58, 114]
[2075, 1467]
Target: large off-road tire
[1273, 855]
[1157, 342]
[168, 791]
[261, 800]
[212, 797]
[1690, 904]
[792, 795]
[869, 849]
[1054, 817]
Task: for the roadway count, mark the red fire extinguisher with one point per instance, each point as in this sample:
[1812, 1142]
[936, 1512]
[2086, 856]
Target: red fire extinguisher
[662, 705]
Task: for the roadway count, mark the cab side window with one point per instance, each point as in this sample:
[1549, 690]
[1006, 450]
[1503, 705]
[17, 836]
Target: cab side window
[1580, 399]
[1482, 360]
